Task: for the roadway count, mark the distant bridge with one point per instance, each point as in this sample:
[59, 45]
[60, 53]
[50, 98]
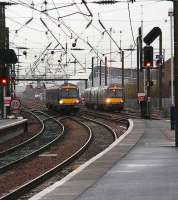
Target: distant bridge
[48, 78]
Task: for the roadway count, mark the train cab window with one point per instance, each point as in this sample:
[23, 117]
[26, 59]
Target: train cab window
[114, 93]
[71, 93]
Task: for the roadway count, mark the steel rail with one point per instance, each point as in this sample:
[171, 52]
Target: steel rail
[32, 152]
[114, 134]
[122, 118]
[3, 153]
[33, 183]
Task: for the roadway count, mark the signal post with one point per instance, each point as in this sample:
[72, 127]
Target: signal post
[7, 57]
[148, 64]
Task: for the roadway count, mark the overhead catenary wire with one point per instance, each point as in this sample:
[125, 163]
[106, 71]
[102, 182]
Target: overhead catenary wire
[66, 30]
[62, 22]
[131, 25]
[52, 18]
[55, 37]
[109, 35]
[65, 50]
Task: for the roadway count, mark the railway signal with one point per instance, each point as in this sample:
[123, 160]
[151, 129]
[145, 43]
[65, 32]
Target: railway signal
[4, 81]
[148, 57]
[4, 76]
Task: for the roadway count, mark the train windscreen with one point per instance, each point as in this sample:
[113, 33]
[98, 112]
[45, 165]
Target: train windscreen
[69, 93]
[114, 93]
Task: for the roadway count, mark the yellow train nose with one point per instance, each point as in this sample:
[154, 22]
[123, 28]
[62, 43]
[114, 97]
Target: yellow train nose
[69, 101]
[114, 100]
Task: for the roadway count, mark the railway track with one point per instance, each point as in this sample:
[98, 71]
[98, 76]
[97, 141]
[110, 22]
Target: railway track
[121, 117]
[125, 114]
[103, 133]
[51, 169]
[103, 137]
[34, 127]
[34, 145]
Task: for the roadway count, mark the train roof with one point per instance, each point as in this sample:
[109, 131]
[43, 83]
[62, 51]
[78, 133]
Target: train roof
[68, 85]
[65, 85]
[111, 86]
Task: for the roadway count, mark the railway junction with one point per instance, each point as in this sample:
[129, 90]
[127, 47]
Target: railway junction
[141, 165]
[101, 136]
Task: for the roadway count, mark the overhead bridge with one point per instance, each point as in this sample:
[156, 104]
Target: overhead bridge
[49, 78]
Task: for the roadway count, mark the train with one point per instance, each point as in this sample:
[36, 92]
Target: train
[63, 98]
[109, 97]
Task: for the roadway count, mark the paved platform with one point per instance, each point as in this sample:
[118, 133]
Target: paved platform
[145, 171]
[6, 123]
[10, 128]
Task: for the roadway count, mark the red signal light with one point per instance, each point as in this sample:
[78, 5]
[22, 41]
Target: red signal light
[4, 81]
[148, 64]
[148, 57]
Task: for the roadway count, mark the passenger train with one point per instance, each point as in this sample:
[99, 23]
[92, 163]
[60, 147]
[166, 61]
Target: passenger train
[63, 98]
[104, 97]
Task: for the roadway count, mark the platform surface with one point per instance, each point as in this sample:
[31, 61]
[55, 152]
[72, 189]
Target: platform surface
[9, 128]
[6, 123]
[149, 171]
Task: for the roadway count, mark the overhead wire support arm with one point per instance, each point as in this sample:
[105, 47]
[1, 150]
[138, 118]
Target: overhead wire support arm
[69, 5]
[60, 43]
[94, 50]
[77, 60]
[109, 35]
[106, 2]
[35, 62]
[52, 34]
[73, 14]
[85, 3]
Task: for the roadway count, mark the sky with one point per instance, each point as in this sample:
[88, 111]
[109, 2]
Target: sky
[47, 28]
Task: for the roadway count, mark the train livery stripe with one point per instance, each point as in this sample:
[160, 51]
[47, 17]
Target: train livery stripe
[116, 100]
[69, 101]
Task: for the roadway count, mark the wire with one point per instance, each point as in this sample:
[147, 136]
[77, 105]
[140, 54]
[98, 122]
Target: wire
[35, 29]
[131, 25]
[109, 35]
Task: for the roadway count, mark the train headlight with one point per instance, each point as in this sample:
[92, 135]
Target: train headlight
[61, 101]
[108, 100]
[77, 101]
[121, 101]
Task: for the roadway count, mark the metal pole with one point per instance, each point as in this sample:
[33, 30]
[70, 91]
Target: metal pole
[170, 13]
[176, 66]
[14, 82]
[106, 71]
[75, 70]
[9, 67]
[148, 93]
[138, 65]
[86, 84]
[160, 72]
[141, 52]
[92, 72]
[100, 73]
[122, 59]
[4, 109]
[110, 67]
[66, 52]
[2, 46]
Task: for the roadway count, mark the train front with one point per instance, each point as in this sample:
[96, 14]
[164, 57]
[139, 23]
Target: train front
[114, 98]
[69, 98]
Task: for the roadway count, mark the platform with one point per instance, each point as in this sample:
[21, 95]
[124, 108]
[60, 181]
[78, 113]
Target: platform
[147, 170]
[10, 128]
